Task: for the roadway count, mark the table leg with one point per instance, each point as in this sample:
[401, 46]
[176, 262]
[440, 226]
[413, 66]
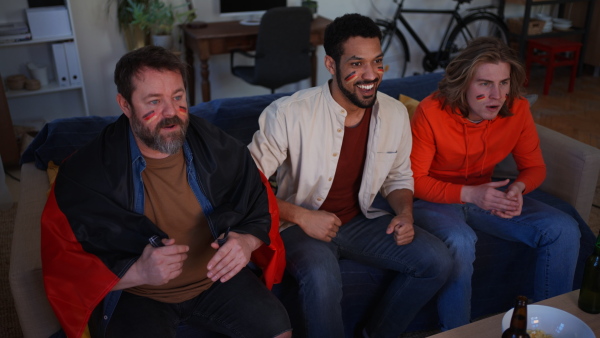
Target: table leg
[205, 81]
[313, 61]
[191, 78]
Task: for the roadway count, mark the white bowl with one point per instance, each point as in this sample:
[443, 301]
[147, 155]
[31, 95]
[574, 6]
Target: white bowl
[544, 17]
[561, 27]
[558, 323]
[559, 21]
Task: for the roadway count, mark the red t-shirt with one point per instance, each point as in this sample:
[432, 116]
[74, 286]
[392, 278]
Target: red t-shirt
[342, 199]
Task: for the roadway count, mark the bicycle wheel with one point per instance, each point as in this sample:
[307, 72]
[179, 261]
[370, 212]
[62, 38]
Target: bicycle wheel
[395, 51]
[474, 26]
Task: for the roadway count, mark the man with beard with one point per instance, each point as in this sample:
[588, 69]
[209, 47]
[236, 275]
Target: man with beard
[150, 227]
[334, 148]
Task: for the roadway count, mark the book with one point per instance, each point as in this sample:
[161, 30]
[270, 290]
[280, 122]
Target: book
[15, 38]
[12, 28]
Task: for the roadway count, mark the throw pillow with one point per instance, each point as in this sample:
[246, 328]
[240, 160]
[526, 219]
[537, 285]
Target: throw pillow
[410, 103]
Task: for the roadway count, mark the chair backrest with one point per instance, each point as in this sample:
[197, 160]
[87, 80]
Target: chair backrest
[283, 47]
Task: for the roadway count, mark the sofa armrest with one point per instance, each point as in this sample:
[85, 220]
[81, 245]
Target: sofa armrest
[572, 169]
[25, 274]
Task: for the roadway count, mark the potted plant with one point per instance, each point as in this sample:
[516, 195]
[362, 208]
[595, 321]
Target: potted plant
[158, 19]
[312, 5]
[134, 36]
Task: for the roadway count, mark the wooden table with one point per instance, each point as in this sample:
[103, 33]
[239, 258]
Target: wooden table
[492, 326]
[222, 37]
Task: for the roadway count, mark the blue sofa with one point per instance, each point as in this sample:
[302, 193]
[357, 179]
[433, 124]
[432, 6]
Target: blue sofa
[503, 269]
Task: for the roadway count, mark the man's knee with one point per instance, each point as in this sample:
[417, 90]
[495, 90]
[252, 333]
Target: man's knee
[435, 259]
[560, 227]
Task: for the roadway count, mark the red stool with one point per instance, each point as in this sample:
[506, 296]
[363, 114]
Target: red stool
[553, 55]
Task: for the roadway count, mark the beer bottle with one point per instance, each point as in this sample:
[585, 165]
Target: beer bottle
[518, 322]
[589, 295]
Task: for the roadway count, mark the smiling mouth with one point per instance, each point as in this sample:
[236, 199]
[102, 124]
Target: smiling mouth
[366, 86]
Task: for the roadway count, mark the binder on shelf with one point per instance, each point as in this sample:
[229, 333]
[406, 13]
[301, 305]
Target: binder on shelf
[73, 64]
[60, 62]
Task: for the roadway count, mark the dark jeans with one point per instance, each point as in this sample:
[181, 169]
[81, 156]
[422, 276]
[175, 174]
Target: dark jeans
[240, 307]
[423, 267]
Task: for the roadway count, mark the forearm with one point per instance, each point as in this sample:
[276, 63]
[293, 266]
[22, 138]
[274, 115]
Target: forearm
[531, 178]
[252, 242]
[290, 212]
[132, 278]
[401, 201]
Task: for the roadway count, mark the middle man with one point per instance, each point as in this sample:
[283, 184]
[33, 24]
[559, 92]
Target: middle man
[334, 147]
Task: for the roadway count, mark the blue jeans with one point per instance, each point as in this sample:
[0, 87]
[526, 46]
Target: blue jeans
[423, 266]
[554, 233]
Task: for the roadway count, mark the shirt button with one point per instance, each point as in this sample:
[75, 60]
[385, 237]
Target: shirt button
[339, 130]
[335, 154]
[105, 317]
[330, 179]
[319, 199]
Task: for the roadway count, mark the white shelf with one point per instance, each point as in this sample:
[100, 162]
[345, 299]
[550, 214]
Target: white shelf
[52, 87]
[36, 41]
[51, 101]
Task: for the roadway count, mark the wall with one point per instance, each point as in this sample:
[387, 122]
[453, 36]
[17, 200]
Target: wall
[101, 45]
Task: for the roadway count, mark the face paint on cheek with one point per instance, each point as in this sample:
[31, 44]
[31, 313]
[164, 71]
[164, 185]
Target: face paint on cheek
[480, 97]
[350, 77]
[380, 69]
[183, 109]
[149, 116]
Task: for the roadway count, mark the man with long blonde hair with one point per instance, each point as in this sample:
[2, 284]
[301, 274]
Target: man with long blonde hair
[460, 132]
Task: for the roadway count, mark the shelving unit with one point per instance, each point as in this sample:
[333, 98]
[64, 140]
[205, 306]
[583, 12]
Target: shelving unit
[51, 101]
[522, 38]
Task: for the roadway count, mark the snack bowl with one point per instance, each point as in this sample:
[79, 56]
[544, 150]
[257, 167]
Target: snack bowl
[561, 26]
[544, 17]
[553, 322]
[560, 21]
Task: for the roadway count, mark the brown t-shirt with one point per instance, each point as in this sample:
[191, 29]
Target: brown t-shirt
[342, 199]
[170, 203]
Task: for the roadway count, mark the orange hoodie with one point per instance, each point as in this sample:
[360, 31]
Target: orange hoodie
[449, 151]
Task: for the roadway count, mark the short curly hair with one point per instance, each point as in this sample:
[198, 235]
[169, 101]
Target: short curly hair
[345, 27]
[452, 88]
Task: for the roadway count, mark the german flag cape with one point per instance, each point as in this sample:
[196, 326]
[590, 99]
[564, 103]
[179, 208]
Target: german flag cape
[91, 235]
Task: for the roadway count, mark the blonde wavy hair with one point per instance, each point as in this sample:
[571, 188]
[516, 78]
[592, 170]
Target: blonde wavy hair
[452, 89]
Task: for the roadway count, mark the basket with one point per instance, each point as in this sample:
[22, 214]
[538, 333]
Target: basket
[516, 24]
[16, 82]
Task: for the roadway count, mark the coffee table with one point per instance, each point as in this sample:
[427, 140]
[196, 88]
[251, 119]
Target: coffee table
[492, 326]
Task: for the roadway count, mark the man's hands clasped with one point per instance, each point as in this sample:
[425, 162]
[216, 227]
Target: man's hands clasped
[505, 204]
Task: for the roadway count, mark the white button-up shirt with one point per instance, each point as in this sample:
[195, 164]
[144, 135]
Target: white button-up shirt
[301, 137]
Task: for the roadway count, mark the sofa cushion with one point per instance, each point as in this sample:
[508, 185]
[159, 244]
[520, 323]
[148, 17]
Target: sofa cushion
[418, 87]
[61, 137]
[236, 116]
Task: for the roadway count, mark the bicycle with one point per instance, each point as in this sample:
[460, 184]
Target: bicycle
[455, 39]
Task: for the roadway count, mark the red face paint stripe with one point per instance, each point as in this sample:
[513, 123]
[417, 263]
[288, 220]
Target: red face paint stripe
[480, 97]
[351, 76]
[149, 116]
[182, 109]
